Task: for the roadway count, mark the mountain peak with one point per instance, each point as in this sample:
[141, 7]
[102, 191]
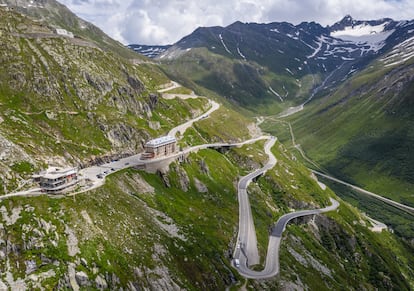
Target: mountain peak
[347, 18]
[236, 23]
[344, 22]
[349, 21]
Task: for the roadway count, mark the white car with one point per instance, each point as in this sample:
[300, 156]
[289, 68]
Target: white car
[237, 263]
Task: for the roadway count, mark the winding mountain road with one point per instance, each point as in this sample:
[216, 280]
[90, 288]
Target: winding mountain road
[183, 127]
[247, 233]
[172, 85]
[91, 173]
[246, 252]
[403, 207]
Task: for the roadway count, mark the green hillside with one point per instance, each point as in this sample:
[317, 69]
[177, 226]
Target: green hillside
[178, 229]
[80, 101]
[363, 132]
[62, 98]
[244, 83]
[50, 14]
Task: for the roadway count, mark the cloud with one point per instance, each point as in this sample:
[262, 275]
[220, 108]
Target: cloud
[166, 21]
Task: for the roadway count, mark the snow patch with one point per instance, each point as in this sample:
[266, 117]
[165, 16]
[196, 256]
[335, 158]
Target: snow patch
[287, 92]
[352, 71]
[292, 36]
[238, 50]
[316, 50]
[172, 53]
[400, 53]
[365, 34]
[360, 30]
[305, 43]
[289, 71]
[224, 45]
[275, 93]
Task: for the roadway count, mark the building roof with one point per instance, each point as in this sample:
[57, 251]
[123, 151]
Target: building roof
[64, 32]
[161, 141]
[55, 173]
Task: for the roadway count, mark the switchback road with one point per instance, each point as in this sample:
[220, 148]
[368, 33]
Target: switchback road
[183, 127]
[246, 252]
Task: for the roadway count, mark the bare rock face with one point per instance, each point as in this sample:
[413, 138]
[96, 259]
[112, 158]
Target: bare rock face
[98, 83]
[153, 100]
[184, 180]
[296, 204]
[100, 283]
[112, 280]
[121, 134]
[72, 242]
[154, 125]
[200, 186]
[164, 178]
[82, 279]
[204, 167]
[30, 266]
[135, 84]
[10, 152]
[15, 214]
[147, 109]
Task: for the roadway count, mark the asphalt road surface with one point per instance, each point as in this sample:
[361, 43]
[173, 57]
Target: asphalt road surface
[404, 207]
[183, 127]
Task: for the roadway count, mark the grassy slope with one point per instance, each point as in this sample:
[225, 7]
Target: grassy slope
[122, 233]
[362, 135]
[56, 15]
[245, 83]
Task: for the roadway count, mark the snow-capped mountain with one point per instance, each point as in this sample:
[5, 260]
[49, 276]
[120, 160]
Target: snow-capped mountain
[346, 40]
[258, 53]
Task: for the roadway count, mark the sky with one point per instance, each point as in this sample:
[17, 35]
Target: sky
[162, 22]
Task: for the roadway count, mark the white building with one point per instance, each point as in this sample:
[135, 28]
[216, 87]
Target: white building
[159, 147]
[55, 180]
[64, 32]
